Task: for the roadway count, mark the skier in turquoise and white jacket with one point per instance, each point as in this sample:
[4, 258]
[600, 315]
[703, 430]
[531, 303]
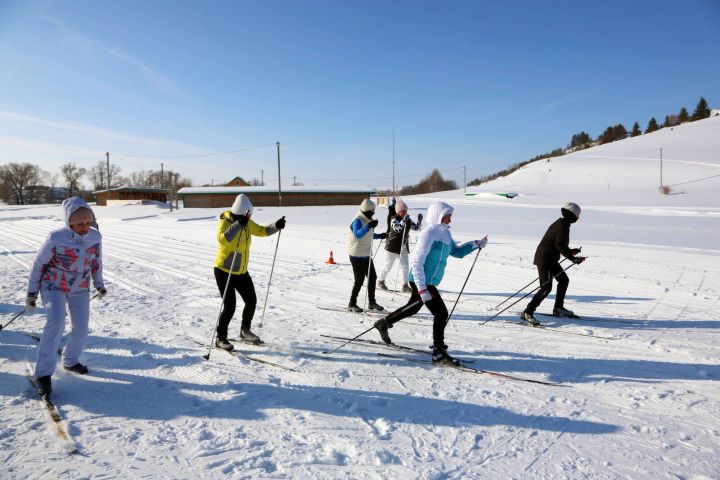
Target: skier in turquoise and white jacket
[427, 267]
[65, 264]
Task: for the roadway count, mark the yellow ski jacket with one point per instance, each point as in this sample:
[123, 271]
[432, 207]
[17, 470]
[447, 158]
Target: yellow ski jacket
[231, 236]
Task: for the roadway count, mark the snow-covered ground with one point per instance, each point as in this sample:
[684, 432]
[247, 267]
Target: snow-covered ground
[639, 398]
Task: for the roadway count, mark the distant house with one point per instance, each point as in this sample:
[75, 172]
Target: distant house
[714, 112]
[295, 195]
[129, 195]
[237, 182]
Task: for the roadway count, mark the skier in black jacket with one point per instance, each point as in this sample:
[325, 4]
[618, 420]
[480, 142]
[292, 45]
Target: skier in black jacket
[396, 246]
[553, 244]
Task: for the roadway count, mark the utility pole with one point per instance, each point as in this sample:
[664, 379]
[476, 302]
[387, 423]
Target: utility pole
[277, 144]
[162, 178]
[294, 180]
[262, 177]
[393, 158]
[464, 179]
[171, 192]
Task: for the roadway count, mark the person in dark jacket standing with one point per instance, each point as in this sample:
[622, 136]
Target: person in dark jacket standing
[554, 243]
[396, 246]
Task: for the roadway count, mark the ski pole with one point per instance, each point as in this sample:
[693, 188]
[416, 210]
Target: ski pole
[327, 352]
[227, 284]
[397, 273]
[531, 291]
[370, 264]
[13, 319]
[267, 294]
[463, 287]
[523, 288]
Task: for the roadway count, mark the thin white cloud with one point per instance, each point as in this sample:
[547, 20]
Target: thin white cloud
[152, 77]
[93, 132]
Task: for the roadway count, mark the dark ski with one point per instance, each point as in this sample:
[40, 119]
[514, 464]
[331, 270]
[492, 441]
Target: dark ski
[241, 354]
[558, 330]
[478, 371]
[592, 319]
[383, 344]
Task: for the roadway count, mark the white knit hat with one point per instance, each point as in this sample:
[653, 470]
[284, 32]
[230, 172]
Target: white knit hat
[401, 206]
[366, 205]
[241, 205]
[572, 207]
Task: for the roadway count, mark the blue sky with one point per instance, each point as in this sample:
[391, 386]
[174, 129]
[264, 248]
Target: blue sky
[463, 83]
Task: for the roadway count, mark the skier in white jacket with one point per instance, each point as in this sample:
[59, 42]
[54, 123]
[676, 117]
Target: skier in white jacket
[70, 257]
[427, 267]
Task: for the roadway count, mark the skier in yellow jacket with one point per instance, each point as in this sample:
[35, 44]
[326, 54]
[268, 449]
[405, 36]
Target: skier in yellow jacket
[234, 236]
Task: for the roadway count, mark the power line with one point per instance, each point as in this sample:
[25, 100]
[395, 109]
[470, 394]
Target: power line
[214, 154]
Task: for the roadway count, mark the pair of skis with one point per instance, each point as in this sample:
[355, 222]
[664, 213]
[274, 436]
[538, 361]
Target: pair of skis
[462, 367]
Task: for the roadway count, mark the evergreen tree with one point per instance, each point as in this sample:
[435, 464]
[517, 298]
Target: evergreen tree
[581, 140]
[683, 116]
[606, 136]
[636, 130]
[652, 126]
[619, 132]
[701, 111]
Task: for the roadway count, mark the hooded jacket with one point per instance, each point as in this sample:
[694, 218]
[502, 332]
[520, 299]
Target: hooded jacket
[556, 241]
[232, 236]
[67, 260]
[435, 244]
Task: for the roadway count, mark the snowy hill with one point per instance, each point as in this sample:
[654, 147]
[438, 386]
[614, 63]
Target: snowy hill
[639, 376]
[627, 172]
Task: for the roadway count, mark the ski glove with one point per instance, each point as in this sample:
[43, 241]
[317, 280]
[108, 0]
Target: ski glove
[426, 295]
[30, 302]
[373, 223]
[575, 251]
[101, 292]
[280, 224]
[383, 235]
[481, 243]
[578, 260]
[407, 219]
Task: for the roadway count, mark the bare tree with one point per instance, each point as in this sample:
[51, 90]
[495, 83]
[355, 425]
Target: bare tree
[21, 182]
[72, 174]
[99, 173]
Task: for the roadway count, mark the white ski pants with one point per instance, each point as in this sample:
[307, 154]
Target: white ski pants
[55, 303]
[390, 259]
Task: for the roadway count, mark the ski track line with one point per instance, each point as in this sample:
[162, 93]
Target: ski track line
[691, 299]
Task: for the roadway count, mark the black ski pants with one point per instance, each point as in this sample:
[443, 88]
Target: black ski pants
[546, 274]
[360, 271]
[243, 284]
[436, 306]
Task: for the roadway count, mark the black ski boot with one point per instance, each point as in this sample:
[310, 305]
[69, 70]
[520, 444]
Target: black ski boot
[563, 312]
[440, 355]
[382, 326]
[529, 318]
[223, 344]
[250, 337]
[44, 385]
[373, 305]
[353, 307]
[78, 368]
[381, 285]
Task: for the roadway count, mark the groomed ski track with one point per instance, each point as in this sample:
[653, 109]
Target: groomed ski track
[151, 404]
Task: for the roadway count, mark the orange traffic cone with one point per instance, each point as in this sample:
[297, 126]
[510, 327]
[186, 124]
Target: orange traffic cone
[330, 260]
